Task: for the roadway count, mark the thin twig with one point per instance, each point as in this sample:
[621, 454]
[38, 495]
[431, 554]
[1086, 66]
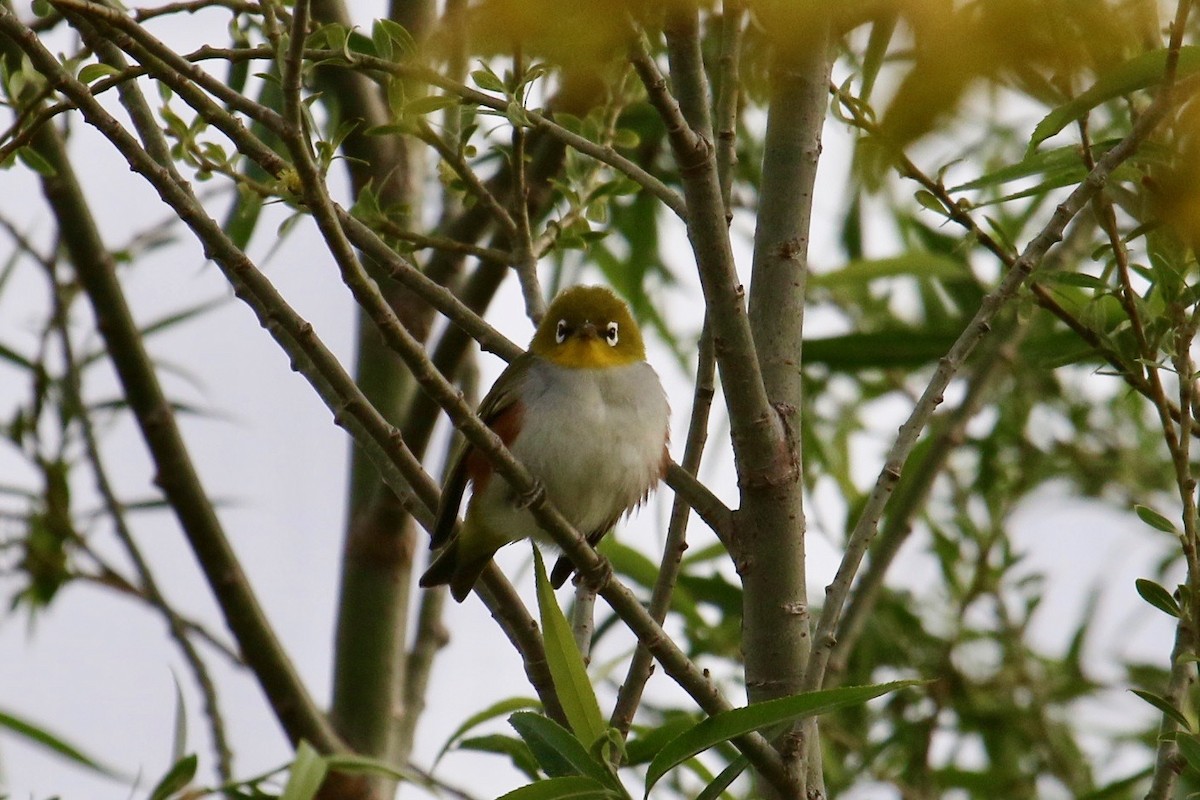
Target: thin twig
[467, 175]
[1183, 670]
[444, 243]
[526, 263]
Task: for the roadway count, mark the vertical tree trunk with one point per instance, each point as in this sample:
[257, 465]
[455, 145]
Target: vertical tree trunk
[776, 620]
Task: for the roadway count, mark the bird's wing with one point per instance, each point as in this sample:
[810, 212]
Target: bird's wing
[494, 409]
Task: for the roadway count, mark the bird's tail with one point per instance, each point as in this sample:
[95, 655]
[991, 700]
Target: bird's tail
[443, 566]
[454, 567]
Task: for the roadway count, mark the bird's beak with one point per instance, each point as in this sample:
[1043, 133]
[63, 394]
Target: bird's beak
[587, 331]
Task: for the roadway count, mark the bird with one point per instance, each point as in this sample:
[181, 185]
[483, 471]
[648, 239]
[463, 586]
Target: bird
[587, 416]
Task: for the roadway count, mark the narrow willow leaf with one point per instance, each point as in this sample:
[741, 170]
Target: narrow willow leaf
[1061, 161]
[498, 709]
[573, 788]
[429, 104]
[1137, 73]
[1189, 748]
[727, 776]
[517, 751]
[1154, 519]
[916, 264]
[1157, 596]
[877, 46]
[354, 764]
[178, 776]
[13, 357]
[1120, 788]
[740, 721]
[50, 741]
[242, 218]
[566, 663]
[179, 740]
[171, 320]
[886, 349]
[1080, 279]
[36, 162]
[645, 746]
[558, 752]
[307, 773]
[1162, 705]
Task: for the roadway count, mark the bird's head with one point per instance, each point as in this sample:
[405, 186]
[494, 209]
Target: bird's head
[588, 327]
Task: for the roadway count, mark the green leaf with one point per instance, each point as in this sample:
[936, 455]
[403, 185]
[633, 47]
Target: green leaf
[430, 104]
[1057, 162]
[94, 72]
[13, 357]
[1154, 519]
[1189, 748]
[572, 788]
[1166, 708]
[498, 709]
[556, 750]
[307, 774]
[517, 751]
[928, 200]
[740, 721]
[1080, 279]
[399, 35]
[645, 746]
[566, 663]
[487, 80]
[727, 776]
[1120, 788]
[36, 162]
[390, 129]
[877, 46]
[354, 764]
[1157, 596]
[1137, 73]
[242, 217]
[171, 320]
[917, 264]
[381, 41]
[177, 777]
[179, 738]
[886, 349]
[50, 741]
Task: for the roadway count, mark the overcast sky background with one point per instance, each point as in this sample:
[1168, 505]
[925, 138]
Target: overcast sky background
[99, 670]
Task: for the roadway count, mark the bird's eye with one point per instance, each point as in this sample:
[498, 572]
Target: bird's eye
[560, 333]
[610, 334]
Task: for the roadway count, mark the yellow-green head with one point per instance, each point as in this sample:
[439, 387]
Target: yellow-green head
[588, 327]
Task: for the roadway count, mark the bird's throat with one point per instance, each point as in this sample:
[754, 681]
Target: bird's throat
[589, 353]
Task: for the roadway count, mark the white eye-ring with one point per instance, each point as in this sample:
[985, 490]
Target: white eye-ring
[610, 334]
[560, 333]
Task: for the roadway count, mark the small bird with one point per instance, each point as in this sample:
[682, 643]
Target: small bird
[585, 414]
